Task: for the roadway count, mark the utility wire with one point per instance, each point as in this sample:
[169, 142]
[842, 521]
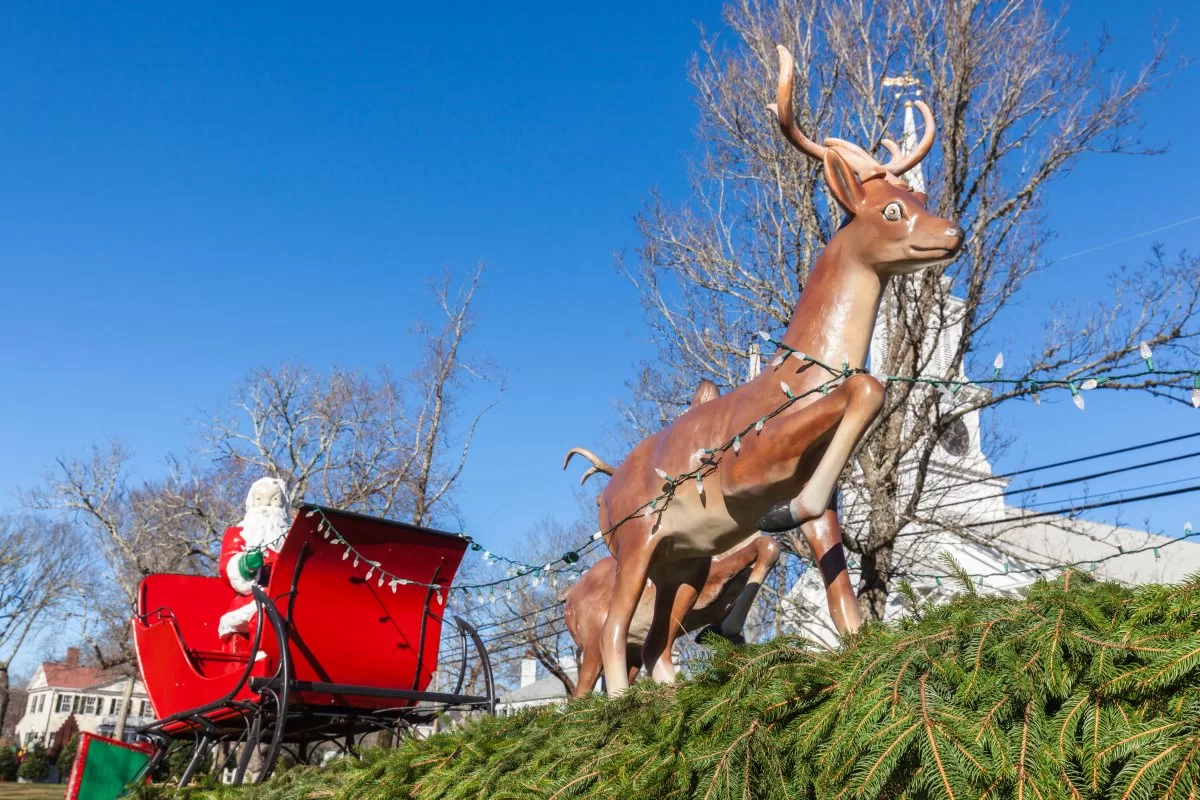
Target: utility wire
[1078, 460]
[1005, 493]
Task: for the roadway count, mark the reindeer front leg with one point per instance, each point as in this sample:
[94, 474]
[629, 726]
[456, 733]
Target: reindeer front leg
[855, 404]
[824, 535]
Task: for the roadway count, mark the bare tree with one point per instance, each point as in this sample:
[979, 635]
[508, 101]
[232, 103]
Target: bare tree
[369, 443]
[173, 525]
[40, 570]
[15, 706]
[1017, 107]
[523, 618]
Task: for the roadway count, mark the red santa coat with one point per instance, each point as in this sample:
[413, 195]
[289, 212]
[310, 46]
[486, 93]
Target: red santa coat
[241, 609]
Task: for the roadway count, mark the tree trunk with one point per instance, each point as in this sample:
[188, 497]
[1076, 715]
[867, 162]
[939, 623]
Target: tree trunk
[123, 717]
[3, 691]
[874, 583]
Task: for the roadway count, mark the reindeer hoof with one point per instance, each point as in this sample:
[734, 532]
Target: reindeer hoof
[778, 519]
[715, 630]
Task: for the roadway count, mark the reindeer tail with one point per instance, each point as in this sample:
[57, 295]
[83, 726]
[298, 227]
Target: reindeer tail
[598, 464]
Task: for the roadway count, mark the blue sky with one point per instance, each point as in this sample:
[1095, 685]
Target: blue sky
[158, 164]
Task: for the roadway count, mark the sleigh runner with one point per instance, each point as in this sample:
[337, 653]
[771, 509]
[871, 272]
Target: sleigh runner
[333, 653]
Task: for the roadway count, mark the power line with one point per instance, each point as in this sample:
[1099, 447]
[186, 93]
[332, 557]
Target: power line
[1063, 482]
[1058, 512]
[1007, 492]
[1159, 229]
[1078, 460]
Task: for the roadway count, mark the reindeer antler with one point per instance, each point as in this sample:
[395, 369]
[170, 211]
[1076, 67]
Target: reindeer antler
[783, 107]
[859, 158]
[900, 164]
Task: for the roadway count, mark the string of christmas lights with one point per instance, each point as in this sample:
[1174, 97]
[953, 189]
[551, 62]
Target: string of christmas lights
[518, 570]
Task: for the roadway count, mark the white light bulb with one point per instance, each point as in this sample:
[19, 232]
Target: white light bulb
[779, 359]
[699, 484]
[1088, 385]
[766, 337]
[999, 362]
[787, 390]
[737, 440]
[346, 554]
[1195, 398]
[1078, 399]
[662, 473]
[758, 426]
[1037, 399]
[1146, 352]
[393, 585]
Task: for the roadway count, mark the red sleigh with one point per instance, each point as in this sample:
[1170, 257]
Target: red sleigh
[341, 655]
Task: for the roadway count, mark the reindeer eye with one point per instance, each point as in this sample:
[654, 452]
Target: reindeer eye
[892, 212]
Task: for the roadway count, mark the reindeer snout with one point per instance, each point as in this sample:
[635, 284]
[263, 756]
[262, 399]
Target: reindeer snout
[956, 233]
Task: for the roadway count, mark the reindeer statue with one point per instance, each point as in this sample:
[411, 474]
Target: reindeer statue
[734, 579]
[784, 475]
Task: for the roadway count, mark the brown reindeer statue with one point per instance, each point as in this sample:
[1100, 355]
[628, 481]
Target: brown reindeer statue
[734, 579]
[784, 475]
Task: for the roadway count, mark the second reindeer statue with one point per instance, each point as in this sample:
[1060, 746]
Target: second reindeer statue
[783, 475]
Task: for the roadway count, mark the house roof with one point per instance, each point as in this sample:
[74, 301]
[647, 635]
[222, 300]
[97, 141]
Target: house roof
[548, 688]
[65, 676]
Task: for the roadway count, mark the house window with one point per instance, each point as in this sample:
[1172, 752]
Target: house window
[91, 705]
[144, 710]
[41, 702]
[113, 705]
[64, 703]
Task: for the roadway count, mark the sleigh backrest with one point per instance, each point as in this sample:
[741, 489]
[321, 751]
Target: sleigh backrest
[345, 626]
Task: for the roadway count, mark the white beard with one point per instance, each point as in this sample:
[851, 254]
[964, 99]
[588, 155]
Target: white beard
[264, 527]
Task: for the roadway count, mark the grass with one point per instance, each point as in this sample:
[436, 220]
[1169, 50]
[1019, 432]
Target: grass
[32, 791]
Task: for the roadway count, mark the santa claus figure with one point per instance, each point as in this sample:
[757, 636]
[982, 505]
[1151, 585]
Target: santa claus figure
[247, 553]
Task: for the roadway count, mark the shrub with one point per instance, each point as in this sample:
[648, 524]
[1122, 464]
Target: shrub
[66, 758]
[36, 764]
[1078, 690]
[8, 763]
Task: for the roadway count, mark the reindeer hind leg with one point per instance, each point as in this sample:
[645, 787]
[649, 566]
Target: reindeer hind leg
[633, 566]
[767, 550]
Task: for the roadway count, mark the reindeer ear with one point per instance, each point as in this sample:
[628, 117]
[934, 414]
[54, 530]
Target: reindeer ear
[842, 181]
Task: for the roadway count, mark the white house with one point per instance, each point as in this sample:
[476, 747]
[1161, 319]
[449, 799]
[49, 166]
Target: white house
[533, 691]
[94, 696]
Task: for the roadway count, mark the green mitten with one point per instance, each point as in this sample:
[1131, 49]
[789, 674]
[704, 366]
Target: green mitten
[250, 563]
